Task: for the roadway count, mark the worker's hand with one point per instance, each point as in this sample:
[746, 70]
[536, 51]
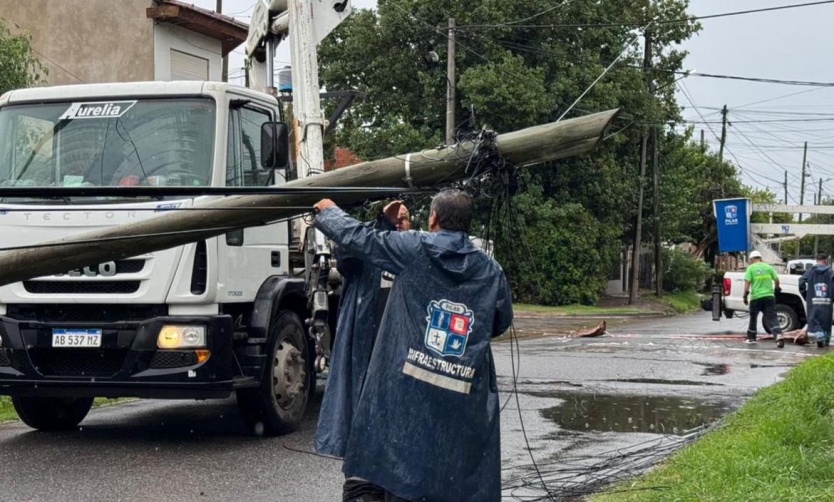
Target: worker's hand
[777, 290]
[324, 204]
[398, 215]
[746, 297]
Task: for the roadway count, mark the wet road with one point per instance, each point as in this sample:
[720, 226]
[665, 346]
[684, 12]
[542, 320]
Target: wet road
[592, 409]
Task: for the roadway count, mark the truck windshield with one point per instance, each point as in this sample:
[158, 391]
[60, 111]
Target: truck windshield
[143, 142]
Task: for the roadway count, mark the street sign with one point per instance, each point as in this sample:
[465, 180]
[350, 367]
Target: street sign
[732, 217]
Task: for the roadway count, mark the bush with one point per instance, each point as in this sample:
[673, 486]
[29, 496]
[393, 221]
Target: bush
[683, 272]
[556, 256]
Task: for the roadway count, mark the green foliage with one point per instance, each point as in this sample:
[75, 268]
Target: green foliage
[776, 447]
[18, 65]
[550, 262]
[683, 272]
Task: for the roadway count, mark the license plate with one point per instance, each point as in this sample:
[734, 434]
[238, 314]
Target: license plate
[73, 338]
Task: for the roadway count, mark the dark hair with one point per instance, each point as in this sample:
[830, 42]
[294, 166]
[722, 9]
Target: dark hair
[453, 209]
[822, 257]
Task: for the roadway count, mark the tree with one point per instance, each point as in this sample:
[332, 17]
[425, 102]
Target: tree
[519, 64]
[18, 65]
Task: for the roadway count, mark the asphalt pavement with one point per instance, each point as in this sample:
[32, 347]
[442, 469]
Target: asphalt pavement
[587, 411]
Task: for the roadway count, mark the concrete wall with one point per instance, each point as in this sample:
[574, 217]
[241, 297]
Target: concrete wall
[167, 36]
[94, 40]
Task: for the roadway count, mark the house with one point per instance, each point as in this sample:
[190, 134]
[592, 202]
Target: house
[91, 41]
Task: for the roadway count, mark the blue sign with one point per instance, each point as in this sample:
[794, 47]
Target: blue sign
[732, 216]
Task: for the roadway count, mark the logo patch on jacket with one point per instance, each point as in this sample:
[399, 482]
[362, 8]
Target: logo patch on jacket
[821, 290]
[449, 327]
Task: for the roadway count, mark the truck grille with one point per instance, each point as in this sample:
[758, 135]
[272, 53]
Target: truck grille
[81, 287]
[132, 266]
[173, 359]
[91, 313]
[78, 362]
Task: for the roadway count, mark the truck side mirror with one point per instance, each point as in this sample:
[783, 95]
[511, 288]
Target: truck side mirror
[275, 145]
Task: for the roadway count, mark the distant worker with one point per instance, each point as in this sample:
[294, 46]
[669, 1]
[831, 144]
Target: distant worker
[815, 285]
[761, 280]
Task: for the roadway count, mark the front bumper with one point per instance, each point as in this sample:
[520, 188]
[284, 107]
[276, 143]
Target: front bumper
[128, 363]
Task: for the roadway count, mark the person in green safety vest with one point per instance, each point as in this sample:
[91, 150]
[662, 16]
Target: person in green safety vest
[761, 284]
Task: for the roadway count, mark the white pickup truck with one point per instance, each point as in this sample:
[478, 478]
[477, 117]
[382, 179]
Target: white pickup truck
[790, 306]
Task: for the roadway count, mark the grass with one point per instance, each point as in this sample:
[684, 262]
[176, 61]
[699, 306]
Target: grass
[569, 310]
[7, 410]
[778, 446]
[681, 302]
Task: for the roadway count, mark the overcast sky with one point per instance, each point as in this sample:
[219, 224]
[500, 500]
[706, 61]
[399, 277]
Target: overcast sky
[787, 45]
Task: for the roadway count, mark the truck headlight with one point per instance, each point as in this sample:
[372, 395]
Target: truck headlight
[181, 337]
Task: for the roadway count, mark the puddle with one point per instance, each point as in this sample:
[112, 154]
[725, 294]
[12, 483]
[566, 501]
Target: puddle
[715, 369]
[620, 413]
[663, 382]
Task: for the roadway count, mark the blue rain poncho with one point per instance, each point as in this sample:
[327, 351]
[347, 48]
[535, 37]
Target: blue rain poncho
[426, 427]
[360, 309]
[816, 286]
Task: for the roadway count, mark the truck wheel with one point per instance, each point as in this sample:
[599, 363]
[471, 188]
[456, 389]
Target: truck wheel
[52, 413]
[277, 405]
[788, 320]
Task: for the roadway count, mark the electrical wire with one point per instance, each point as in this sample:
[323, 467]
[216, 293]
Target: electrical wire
[671, 21]
[73, 75]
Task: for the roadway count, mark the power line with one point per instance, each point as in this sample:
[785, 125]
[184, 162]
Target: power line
[750, 79]
[76, 77]
[635, 25]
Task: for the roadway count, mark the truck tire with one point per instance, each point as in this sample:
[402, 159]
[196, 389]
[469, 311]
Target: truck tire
[277, 405]
[51, 414]
[788, 320]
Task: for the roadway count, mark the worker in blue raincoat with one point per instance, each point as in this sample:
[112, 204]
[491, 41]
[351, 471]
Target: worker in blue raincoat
[426, 427]
[815, 285]
[364, 293]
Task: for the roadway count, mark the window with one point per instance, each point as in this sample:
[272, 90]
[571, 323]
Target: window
[188, 67]
[243, 156]
[151, 142]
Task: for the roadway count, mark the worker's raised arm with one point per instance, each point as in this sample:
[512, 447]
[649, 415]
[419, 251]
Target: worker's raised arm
[390, 251]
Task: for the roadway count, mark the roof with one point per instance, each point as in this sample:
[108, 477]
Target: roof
[229, 31]
[121, 90]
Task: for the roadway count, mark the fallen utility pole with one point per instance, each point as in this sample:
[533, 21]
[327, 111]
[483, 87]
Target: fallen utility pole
[427, 168]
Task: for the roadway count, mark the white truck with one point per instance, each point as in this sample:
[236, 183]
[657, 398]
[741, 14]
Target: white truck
[205, 320]
[790, 306]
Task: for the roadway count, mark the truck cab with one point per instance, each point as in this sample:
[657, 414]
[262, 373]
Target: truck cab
[205, 320]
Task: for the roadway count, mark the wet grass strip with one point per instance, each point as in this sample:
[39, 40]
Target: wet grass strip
[576, 310]
[680, 302]
[778, 446]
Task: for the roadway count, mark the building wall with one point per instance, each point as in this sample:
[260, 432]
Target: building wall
[167, 37]
[87, 40]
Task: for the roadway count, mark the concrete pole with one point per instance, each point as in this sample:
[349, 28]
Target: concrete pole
[530, 146]
[450, 85]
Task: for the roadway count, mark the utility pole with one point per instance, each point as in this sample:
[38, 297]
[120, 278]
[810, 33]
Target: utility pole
[535, 145]
[638, 228]
[703, 142]
[450, 85]
[225, 58]
[658, 257]
[802, 181]
[723, 133]
[817, 237]
[785, 200]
